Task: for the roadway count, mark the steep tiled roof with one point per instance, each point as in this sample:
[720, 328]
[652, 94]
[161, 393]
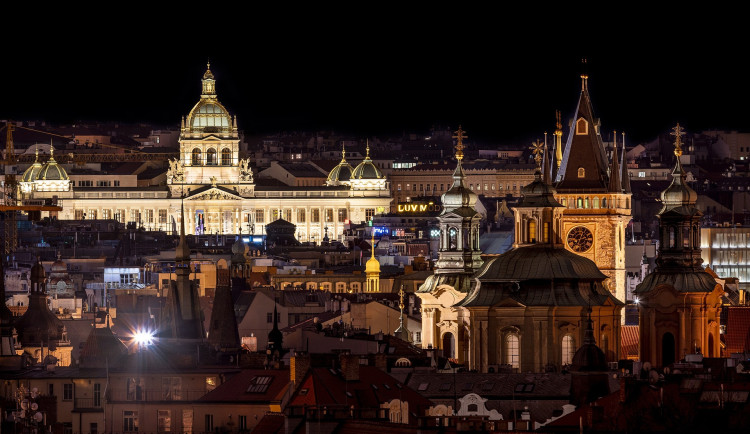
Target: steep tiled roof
[629, 341]
[251, 386]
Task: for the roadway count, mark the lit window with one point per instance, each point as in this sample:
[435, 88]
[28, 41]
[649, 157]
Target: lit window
[196, 160]
[568, 349]
[582, 127]
[512, 351]
[641, 174]
[581, 172]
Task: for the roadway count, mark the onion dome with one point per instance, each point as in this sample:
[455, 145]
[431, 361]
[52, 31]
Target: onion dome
[31, 174]
[51, 171]
[459, 195]
[372, 265]
[589, 358]
[366, 169]
[342, 172]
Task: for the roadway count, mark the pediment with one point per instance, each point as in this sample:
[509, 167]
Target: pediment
[214, 193]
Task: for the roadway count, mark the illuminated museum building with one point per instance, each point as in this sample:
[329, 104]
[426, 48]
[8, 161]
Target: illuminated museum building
[218, 188]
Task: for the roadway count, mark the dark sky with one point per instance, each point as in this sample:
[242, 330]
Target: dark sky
[380, 75]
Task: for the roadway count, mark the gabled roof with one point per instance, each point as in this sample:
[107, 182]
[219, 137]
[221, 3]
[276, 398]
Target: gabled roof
[584, 150]
[251, 386]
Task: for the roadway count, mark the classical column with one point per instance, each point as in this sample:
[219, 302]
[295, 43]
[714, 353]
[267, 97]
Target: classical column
[485, 346]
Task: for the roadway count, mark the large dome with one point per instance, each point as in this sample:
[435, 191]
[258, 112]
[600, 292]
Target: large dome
[341, 173]
[51, 171]
[459, 195]
[31, 174]
[539, 263]
[209, 115]
[366, 169]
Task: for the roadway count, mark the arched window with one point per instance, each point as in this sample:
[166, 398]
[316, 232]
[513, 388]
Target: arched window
[545, 232]
[581, 172]
[512, 351]
[568, 350]
[579, 202]
[452, 239]
[226, 157]
[564, 202]
[671, 237]
[595, 203]
[211, 157]
[531, 236]
[196, 161]
[449, 346]
[586, 203]
[604, 202]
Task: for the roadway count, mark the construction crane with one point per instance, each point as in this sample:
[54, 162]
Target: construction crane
[11, 205]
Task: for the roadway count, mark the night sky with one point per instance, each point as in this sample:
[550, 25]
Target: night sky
[383, 75]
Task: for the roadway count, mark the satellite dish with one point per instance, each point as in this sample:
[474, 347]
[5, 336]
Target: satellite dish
[25, 404]
[34, 406]
[647, 366]
[35, 389]
[666, 370]
[38, 417]
[23, 414]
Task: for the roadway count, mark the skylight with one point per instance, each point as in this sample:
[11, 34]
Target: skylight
[259, 384]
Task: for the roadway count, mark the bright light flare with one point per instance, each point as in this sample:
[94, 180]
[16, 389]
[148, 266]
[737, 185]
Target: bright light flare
[144, 337]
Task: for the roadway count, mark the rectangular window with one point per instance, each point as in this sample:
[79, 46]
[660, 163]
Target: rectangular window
[259, 216]
[329, 215]
[135, 216]
[274, 215]
[399, 187]
[243, 423]
[106, 214]
[269, 317]
[117, 183]
[97, 395]
[300, 215]
[407, 187]
[149, 216]
[342, 215]
[67, 392]
[642, 174]
[67, 428]
[51, 389]
[79, 214]
[130, 421]
[164, 421]
[135, 386]
[187, 421]
[315, 215]
[162, 216]
[209, 423]
[91, 214]
[288, 215]
[93, 428]
[171, 388]
[369, 214]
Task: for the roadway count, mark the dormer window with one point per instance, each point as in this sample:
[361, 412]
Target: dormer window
[581, 172]
[582, 127]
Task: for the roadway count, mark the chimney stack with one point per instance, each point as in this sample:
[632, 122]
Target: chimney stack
[299, 365]
[349, 367]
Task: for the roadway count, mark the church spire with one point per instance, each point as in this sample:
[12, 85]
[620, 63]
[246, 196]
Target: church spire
[615, 186]
[624, 175]
[182, 253]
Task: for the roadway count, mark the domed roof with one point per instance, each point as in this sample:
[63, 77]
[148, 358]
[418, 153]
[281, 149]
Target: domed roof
[59, 267]
[372, 266]
[37, 273]
[678, 193]
[459, 195]
[209, 114]
[539, 262]
[589, 357]
[538, 194]
[51, 171]
[238, 248]
[366, 169]
[31, 174]
[342, 171]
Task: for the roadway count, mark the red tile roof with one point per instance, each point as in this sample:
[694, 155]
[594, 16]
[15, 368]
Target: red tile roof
[738, 329]
[629, 341]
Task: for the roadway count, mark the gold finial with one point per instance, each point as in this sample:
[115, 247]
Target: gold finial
[343, 152]
[372, 245]
[460, 136]
[401, 298]
[368, 149]
[36, 154]
[677, 132]
[537, 148]
[584, 76]
[558, 123]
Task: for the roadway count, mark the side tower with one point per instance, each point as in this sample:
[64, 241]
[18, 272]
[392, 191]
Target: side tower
[596, 198]
[443, 325]
[680, 302]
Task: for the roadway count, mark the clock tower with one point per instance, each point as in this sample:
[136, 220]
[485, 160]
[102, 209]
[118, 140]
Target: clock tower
[594, 189]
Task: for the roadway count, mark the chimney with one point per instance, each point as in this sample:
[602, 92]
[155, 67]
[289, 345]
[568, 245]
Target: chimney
[349, 367]
[299, 365]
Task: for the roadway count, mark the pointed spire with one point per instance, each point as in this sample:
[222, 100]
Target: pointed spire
[588, 334]
[36, 154]
[372, 246]
[584, 76]
[624, 175]
[182, 253]
[343, 151]
[615, 186]
[558, 140]
[368, 149]
[401, 332]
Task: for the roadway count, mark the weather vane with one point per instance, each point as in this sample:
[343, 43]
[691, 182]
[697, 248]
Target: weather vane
[537, 148]
[460, 136]
[677, 132]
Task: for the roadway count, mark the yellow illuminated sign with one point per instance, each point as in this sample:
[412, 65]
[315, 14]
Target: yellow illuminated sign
[417, 207]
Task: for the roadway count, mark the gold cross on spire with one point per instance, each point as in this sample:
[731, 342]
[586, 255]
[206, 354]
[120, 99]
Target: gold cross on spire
[401, 298]
[558, 123]
[677, 132]
[537, 148]
[460, 136]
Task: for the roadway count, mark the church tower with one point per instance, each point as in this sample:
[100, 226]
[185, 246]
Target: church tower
[679, 302]
[595, 192]
[182, 317]
[443, 325]
[372, 270]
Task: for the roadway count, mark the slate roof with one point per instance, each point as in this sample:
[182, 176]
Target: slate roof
[680, 278]
[539, 262]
